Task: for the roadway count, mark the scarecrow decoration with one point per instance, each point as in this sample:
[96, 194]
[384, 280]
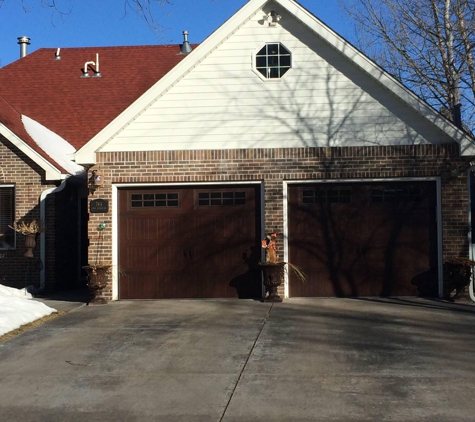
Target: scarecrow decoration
[269, 244]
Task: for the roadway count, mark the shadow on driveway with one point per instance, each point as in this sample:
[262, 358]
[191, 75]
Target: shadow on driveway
[240, 360]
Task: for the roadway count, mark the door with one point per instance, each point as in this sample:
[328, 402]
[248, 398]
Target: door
[373, 239]
[189, 242]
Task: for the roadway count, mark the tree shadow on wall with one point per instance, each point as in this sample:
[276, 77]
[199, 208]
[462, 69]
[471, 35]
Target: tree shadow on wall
[249, 284]
[349, 250]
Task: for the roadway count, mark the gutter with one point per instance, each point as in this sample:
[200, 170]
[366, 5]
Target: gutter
[43, 196]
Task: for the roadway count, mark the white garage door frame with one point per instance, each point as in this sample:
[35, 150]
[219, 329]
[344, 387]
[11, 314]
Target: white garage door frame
[437, 180]
[115, 216]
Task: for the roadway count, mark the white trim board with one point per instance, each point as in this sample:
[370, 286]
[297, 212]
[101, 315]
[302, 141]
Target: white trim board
[51, 172]
[134, 185]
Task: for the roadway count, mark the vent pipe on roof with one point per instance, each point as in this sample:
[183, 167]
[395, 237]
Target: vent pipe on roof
[97, 74]
[24, 43]
[185, 47]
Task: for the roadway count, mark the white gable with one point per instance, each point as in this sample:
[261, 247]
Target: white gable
[330, 97]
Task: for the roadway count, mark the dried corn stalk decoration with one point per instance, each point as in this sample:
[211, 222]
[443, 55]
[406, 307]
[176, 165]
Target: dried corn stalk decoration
[32, 227]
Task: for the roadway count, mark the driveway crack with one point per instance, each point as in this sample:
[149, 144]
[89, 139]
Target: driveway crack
[247, 361]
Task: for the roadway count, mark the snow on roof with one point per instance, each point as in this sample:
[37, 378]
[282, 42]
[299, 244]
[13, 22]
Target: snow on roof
[53, 145]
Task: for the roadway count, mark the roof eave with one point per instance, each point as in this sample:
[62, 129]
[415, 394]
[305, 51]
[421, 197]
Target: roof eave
[51, 172]
[467, 147]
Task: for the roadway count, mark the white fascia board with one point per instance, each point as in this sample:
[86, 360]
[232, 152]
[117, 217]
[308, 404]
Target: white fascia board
[467, 147]
[87, 154]
[51, 172]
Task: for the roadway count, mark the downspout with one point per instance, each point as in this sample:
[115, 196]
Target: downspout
[470, 234]
[43, 196]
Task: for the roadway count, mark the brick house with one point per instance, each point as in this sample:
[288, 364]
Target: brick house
[41, 187]
[274, 122]
[47, 111]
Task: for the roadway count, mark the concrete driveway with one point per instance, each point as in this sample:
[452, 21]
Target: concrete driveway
[232, 360]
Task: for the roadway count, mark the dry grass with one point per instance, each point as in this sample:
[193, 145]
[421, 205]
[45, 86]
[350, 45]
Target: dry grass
[298, 272]
[27, 327]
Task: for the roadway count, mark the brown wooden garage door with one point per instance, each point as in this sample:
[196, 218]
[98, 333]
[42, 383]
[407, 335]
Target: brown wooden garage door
[189, 242]
[374, 239]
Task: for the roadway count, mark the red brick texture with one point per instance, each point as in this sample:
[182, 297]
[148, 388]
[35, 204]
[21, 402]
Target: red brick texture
[17, 169]
[274, 166]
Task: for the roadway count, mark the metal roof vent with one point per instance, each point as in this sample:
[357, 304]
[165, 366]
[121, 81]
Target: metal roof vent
[185, 47]
[97, 73]
[24, 43]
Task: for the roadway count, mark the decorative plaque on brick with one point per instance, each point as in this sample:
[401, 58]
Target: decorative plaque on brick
[99, 205]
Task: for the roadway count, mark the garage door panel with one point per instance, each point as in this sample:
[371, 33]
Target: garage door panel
[376, 242]
[141, 229]
[139, 256]
[189, 242]
[168, 228]
[143, 285]
[324, 283]
[137, 286]
[152, 256]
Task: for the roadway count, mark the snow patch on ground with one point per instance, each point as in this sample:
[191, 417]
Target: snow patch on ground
[17, 309]
[51, 143]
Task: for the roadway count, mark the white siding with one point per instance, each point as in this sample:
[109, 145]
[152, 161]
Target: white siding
[324, 100]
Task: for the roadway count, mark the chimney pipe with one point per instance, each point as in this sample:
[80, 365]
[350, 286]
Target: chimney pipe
[457, 116]
[24, 43]
[185, 47]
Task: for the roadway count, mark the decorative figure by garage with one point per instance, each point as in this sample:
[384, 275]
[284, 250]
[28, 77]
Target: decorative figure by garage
[98, 273]
[31, 231]
[273, 270]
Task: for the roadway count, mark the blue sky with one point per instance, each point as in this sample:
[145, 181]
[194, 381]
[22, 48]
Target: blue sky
[105, 23]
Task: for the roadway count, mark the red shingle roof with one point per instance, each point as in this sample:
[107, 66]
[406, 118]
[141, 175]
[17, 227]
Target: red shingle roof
[11, 118]
[53, 93]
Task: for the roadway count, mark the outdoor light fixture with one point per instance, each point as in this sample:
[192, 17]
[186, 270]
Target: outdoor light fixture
[96, 180]
[272, 18]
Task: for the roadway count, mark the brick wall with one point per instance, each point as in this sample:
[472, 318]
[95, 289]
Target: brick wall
[273, 166]
[16, 168]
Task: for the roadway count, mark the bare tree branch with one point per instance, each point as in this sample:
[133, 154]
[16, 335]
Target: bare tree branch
[146, 9]
[427, 44]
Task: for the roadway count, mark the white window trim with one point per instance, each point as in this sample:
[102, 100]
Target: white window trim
[261, 76]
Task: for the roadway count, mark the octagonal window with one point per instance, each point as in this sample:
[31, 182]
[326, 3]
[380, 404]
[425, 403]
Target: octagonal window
[273, 61]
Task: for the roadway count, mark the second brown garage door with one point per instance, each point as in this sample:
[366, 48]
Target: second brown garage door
[189, 242]
[373, 239]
